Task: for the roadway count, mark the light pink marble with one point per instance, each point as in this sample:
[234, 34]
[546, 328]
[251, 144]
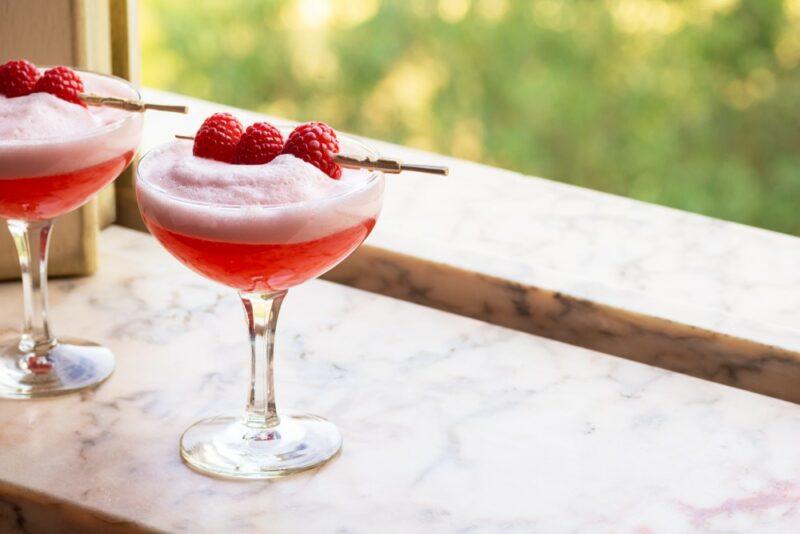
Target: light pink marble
[449, 424]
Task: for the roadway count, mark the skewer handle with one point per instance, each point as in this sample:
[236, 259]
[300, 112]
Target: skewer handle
[389, 166]
[128, 105]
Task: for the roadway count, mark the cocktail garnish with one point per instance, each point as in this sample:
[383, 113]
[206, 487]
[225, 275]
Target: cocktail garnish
[21, 78]
[62, 82]
[314, 142]
[218, 137]
[260, 143]
[18, 78]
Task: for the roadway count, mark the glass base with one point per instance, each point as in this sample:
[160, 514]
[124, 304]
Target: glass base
[227, 447]
[70, 365]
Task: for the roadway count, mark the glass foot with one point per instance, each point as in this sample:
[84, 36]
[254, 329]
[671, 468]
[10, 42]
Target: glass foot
[71, 365]
[225, 446]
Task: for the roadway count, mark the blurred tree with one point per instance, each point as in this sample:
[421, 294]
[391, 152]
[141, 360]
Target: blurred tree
[693, 104]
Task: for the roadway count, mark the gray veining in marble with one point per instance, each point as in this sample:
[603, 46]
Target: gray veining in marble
[449, 424]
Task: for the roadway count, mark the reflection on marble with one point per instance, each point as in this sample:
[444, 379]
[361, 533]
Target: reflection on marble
[450, 424]
[701, 296]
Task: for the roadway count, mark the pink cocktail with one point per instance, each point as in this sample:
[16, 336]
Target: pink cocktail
[259, 229]
[262, 266]
[251, 227]
[55, 156]
[46, 197]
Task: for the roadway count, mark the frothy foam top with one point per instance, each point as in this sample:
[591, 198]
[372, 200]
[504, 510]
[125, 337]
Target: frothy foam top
[221, 201]
[45, 116]
[42, 135]
[284, 180]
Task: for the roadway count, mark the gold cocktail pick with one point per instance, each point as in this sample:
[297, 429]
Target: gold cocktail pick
[389, 166]
[128, 105]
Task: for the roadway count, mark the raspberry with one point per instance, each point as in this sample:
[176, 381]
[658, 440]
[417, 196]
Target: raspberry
[217, 137]
[63, 83]
[315, 143]
[18, 78]
[261, 143]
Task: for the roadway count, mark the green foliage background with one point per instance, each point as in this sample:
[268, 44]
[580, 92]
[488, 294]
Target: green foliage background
[693, 104]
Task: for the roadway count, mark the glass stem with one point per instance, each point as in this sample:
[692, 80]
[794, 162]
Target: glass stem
[261, 311]
[32, 240]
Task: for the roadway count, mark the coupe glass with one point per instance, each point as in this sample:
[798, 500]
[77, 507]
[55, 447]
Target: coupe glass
[261, 442]
[41, 179]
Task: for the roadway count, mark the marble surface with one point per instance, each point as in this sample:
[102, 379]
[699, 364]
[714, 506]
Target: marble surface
[697, 295]
[450, 424]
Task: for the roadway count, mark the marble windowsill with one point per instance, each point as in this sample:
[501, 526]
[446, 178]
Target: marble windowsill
[681, 291]
[450, 424]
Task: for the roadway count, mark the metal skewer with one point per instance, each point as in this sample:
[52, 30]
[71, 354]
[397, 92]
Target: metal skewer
[389, 166]
[128, 105]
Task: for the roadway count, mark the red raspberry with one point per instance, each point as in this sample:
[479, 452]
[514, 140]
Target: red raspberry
[261, 143]
[315, 143]
[18, 78]
[217, 137]
[63, 83]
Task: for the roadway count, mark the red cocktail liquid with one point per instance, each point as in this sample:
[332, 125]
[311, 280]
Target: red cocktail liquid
[46, 197]
[262, 267]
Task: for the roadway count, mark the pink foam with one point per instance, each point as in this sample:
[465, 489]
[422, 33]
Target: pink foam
[42, 115]
[284, 180]
[284, 201]
[42, 135]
